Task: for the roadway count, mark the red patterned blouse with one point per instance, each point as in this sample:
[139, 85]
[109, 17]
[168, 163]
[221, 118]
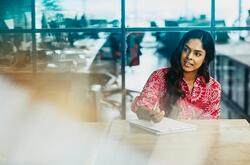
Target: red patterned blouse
[202, 103]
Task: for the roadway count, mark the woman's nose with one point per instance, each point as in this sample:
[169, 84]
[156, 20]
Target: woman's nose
[190, 55]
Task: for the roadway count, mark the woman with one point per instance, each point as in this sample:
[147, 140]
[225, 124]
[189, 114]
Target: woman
[185, 90]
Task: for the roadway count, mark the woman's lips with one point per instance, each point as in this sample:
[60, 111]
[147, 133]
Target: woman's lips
[187, 63]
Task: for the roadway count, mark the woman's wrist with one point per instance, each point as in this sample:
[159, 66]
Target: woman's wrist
[143, 113]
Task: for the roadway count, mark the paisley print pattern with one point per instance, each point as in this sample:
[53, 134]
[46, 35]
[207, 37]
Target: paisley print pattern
[202, 103]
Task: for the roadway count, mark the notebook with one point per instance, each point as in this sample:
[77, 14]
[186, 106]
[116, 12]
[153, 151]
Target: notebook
[166, 126]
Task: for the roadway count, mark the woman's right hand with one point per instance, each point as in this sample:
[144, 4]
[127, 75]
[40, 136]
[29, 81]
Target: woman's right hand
[155, 115]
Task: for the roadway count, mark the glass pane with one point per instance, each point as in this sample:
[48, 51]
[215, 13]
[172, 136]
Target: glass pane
[80, 13]
[73, 51]
[248, 92]
[88, 64]
[159, 13]
[15, 14]
[235, 14]
[15, 52]
[147, 52]
[223, 69]
[232, 65]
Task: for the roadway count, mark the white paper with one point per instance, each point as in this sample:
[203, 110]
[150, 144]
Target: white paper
[166, 126]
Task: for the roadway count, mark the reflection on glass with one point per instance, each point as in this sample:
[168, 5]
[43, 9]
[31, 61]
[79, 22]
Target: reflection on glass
[232, 68]
[15, 14]
[15, 52]
[238, 81]
[133, 51]
[183, 12]
[88, 64]
[235, 14]
[248, 94]
[73, 51]
[80, 13]
[147, 52]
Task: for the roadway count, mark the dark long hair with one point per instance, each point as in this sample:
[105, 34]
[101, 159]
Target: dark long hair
[175, 73]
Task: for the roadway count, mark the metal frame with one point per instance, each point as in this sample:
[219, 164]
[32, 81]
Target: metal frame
[127, 29]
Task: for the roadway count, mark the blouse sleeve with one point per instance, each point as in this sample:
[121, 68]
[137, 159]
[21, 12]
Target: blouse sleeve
[151, 92]
[212, 111]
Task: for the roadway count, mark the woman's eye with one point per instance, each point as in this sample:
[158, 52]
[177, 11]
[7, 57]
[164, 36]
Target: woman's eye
[197, 54]
[185, 49]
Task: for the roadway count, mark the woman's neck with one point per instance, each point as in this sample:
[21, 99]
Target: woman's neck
[189, 77]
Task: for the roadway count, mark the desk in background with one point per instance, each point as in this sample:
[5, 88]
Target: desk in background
[78, 59]
[220, 142]
[88, 55]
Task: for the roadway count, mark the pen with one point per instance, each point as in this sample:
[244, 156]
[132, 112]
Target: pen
[155, 106]
[154, 109]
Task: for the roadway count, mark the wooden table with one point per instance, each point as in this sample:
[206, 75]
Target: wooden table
[223, 142]
[53, 140]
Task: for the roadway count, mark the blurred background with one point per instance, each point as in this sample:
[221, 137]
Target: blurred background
[90, 58]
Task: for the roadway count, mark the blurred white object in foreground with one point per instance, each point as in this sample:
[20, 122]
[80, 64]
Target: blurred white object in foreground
[38, 133]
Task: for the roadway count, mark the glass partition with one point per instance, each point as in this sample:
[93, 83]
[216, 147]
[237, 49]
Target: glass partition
[77, 14]
[158, 13]
[15, 52]
[233, 68]
[15, 14]
[235, 14]
[87, 62]
[81, 70]
[72, 51]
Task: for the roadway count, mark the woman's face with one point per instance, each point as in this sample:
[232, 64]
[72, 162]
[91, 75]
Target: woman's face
[193, 56]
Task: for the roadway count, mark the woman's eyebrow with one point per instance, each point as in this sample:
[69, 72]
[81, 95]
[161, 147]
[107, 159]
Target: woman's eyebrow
[197, 50]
